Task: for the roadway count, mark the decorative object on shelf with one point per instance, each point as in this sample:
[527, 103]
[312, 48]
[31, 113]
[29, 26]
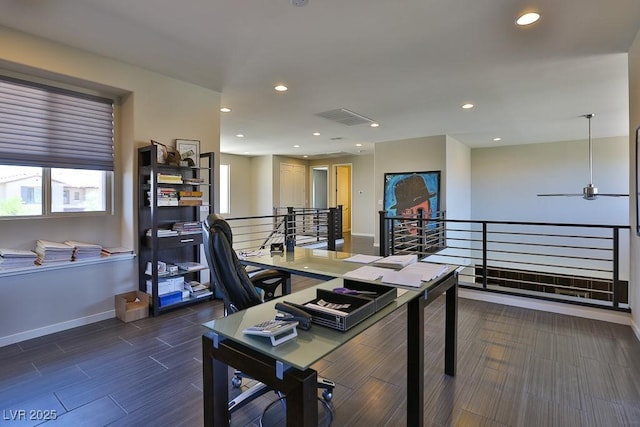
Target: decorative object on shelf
[166, 154]
[189, 151]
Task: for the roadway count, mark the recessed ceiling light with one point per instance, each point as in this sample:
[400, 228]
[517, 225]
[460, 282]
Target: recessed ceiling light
[497, 138]
[305, 156]
[225, 110]
[467, 106]
[246, 152]
[374, 125]
[358, 145]
[239, 135]
[296, 146]
[316, 134]
[281, 88]
[527, 18]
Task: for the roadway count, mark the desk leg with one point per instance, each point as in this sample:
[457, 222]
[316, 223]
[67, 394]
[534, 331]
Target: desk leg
[451, 331]
[415, 362]
[302, 404]
[215, 387]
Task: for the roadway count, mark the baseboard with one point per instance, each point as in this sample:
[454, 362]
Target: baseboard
[552, 307]
[50, 329]
[362, 234]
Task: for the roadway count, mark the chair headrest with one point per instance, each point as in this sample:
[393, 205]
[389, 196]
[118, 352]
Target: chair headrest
[217, 223]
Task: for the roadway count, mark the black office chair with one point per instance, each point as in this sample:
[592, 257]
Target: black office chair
[238, 291]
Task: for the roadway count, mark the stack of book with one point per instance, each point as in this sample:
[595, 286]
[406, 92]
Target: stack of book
[162, 232]
[169, 179]
[115, 251]
[16, 258]
[49, 252]
[197, 289]
[84, 250]
[190, 198]
[188, 227]
[167, 197]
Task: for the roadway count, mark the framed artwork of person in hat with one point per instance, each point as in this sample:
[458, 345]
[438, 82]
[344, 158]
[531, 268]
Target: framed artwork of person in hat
[407, 192]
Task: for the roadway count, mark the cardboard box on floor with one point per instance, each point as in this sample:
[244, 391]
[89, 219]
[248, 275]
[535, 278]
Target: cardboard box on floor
[128, 309]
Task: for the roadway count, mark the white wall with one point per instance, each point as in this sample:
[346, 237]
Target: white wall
[241, 185]
[458, 180]
[409, 155]
[505, 182]
[262, 175]
[634, 122]
[152, 106]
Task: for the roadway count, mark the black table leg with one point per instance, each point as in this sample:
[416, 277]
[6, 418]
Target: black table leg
[215, 386]
[415, 362]
[451, 331]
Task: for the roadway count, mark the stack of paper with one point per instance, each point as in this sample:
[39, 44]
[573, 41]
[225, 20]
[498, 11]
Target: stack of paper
[367, 272]
[84, 250]
[427, 270]
[16, 258]
[397, 261]
[116, 251]
[363, 259]
[52, 252]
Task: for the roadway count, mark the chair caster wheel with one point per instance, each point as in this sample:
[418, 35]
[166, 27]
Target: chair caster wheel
[236, 382]
[327, 395]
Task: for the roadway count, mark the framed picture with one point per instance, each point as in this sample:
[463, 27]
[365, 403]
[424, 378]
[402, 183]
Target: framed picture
[189, 150]
[638, 180]
[406, 191]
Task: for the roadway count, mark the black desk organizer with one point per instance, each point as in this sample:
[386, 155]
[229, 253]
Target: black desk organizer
[361, 306]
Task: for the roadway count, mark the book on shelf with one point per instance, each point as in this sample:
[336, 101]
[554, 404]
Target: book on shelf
[168, 202]
[169, 179]
[162, 232]
[190, 266]
[197, 289]
[190, 193]
[189, 202]
[116, 251]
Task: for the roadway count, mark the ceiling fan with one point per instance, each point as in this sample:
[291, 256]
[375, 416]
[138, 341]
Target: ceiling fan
[589, 192]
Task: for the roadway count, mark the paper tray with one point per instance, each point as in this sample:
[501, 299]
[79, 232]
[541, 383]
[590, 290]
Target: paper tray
[360, 306]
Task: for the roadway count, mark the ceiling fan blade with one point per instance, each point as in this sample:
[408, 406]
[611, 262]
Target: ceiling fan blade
[560, 194]
[612, 195]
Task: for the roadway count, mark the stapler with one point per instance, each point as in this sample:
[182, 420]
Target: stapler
[287, 311]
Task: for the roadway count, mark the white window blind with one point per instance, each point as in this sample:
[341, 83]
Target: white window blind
[51, 127]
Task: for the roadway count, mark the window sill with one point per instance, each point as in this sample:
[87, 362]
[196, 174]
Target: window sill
[63, 265]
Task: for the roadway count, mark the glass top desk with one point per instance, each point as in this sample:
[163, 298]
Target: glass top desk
[287, 367]
[316, 263]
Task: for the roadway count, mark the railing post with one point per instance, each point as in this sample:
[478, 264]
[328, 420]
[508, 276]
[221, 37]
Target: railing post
[290, 225]
[422, 232]
[485, 280]
[384, 234]
[339, 223]
[331, 229]
[616, 272]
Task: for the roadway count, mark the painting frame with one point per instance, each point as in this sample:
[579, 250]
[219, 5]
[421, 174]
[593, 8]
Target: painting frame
[637, 167]
[431, 180]
[189, 150]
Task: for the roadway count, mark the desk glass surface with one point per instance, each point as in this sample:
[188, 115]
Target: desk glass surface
[305, 261]
[312, 345]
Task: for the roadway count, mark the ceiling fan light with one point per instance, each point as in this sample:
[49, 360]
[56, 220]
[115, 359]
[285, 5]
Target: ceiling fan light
[590, 192]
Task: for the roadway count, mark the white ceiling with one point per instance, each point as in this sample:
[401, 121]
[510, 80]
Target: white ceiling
[407, 64]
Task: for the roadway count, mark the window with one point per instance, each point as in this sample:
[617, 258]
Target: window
[68, 166]
[225, 189]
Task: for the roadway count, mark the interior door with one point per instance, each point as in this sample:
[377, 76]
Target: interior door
[343, 194]
[292, 185]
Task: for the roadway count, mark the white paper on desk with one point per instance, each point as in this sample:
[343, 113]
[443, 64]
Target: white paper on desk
[366, 272]
[402, 278]
[363, 259]
[427, 270]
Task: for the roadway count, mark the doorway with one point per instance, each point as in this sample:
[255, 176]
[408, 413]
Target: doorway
[343, 194]
[319, 187]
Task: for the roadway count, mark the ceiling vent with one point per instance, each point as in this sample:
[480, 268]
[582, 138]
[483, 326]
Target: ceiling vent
[345, 117]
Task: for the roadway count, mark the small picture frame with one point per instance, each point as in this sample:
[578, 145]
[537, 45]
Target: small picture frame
[189, 150]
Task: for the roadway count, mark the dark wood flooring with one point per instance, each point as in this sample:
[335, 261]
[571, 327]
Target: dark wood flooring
[516, 367]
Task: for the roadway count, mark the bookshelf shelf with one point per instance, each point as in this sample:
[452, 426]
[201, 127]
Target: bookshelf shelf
[169, 226]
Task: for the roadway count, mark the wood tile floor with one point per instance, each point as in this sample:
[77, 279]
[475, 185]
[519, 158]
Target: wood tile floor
[516, 367]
